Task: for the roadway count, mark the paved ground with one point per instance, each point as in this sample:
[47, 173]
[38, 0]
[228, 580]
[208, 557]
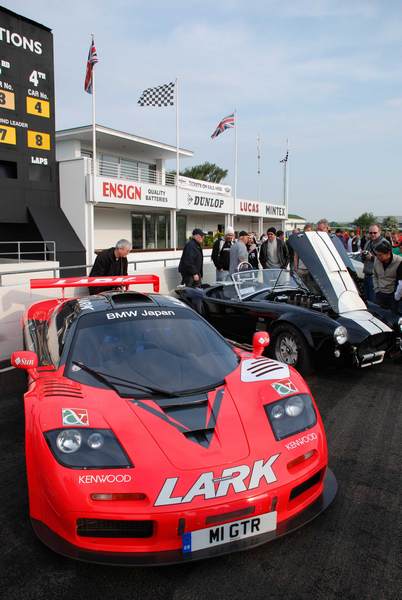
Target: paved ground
[349, 552]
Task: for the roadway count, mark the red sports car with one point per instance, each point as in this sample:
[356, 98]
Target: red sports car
[151, 440]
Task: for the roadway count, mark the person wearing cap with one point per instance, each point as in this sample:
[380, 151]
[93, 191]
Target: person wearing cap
[239, 252]
[387, 275]
[221, 254]
[273, 253]
[192, 259]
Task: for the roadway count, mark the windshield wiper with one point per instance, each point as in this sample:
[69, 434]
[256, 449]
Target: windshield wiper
[205, 388]
[105, 378]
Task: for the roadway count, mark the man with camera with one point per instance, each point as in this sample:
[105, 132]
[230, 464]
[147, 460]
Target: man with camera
[387, 277]
[368, 257]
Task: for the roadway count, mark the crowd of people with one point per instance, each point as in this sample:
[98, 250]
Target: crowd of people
[381, 256]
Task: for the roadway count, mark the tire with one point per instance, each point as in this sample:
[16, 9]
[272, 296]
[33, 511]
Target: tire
[289, 346]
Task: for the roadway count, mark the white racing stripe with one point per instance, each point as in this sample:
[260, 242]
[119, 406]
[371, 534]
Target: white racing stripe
[368, 322]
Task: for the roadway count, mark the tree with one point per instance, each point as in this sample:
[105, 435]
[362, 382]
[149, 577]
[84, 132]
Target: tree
[365, 220]
[207, 172]
[390, 223]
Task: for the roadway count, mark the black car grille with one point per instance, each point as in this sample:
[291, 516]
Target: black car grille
[306, 485]
[114, 529]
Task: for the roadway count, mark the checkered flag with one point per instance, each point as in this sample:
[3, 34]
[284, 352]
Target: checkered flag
[163, 95]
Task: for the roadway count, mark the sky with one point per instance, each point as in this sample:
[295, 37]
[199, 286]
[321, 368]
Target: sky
[324, 74]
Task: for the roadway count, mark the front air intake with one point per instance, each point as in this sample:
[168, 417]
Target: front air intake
[306, 485]
[119, 299]
[107, 528]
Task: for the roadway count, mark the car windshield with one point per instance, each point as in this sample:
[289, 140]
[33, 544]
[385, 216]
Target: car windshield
[249, 282]
[163, 348]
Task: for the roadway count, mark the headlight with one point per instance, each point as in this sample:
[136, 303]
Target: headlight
[400, 323]
[291, 415]
[95, 440]
[87, 448]
[294, 406]
[277, 411]
[341, 335]
[69, 441]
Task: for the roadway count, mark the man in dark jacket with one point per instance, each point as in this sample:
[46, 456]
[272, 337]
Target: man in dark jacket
[273, 252]
[368, 257]
[192, 259]
[110, 262]
[221, 254]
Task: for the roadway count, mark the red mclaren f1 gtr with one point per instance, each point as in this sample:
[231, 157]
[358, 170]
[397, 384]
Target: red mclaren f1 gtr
[151, 440]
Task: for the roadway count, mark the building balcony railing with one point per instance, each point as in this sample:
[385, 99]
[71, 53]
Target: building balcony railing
[130, 172]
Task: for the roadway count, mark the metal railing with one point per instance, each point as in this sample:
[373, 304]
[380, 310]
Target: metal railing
[47, 250]
[125, 170]
[56, 270]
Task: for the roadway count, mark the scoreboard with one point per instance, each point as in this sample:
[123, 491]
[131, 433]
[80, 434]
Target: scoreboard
[27, 121]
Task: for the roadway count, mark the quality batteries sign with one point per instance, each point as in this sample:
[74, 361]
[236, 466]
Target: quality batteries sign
[122, 191]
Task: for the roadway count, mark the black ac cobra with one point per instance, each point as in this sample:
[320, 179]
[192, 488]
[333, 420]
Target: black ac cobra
[315, 320]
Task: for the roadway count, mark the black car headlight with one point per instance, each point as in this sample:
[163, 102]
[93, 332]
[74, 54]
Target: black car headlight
[291, 415]
[87, 448]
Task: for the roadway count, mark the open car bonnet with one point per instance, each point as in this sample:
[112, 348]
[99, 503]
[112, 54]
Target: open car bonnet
[324, 262]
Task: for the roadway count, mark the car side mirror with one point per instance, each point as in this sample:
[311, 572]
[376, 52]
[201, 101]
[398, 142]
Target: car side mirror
[261, 340]
[25, 360]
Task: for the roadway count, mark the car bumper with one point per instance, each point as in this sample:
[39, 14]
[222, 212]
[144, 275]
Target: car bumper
[167, 557]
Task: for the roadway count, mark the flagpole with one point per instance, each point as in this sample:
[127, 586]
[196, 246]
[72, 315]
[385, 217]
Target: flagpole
[235, 168]
[177, 164]
[91, 224]
[93, 132]
[287, 176]
[258, 168]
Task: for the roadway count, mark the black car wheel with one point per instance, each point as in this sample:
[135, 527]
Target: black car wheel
[289, 346]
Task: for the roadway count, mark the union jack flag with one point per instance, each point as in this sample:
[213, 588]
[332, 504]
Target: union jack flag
[92, 60]
[226, 123]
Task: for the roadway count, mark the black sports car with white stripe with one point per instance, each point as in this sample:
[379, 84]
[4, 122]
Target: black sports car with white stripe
[311, 319]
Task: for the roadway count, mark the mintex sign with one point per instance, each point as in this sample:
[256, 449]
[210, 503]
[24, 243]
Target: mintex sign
[277, 211]
[118, 191]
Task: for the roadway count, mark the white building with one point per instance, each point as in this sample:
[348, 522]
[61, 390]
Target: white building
[294, 222]
[136, 199]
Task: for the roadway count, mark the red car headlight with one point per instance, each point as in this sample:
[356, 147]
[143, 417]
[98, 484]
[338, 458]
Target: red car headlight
[291, 415]
[86, 448]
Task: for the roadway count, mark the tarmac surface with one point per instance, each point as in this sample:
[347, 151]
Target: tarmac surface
[351, 551]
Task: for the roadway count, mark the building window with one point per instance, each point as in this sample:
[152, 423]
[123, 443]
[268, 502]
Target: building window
[137, 231]
[150, 231]
[109, 166]
[181, 227]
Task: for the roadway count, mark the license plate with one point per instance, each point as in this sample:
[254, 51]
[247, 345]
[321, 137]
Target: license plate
[229, 532]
